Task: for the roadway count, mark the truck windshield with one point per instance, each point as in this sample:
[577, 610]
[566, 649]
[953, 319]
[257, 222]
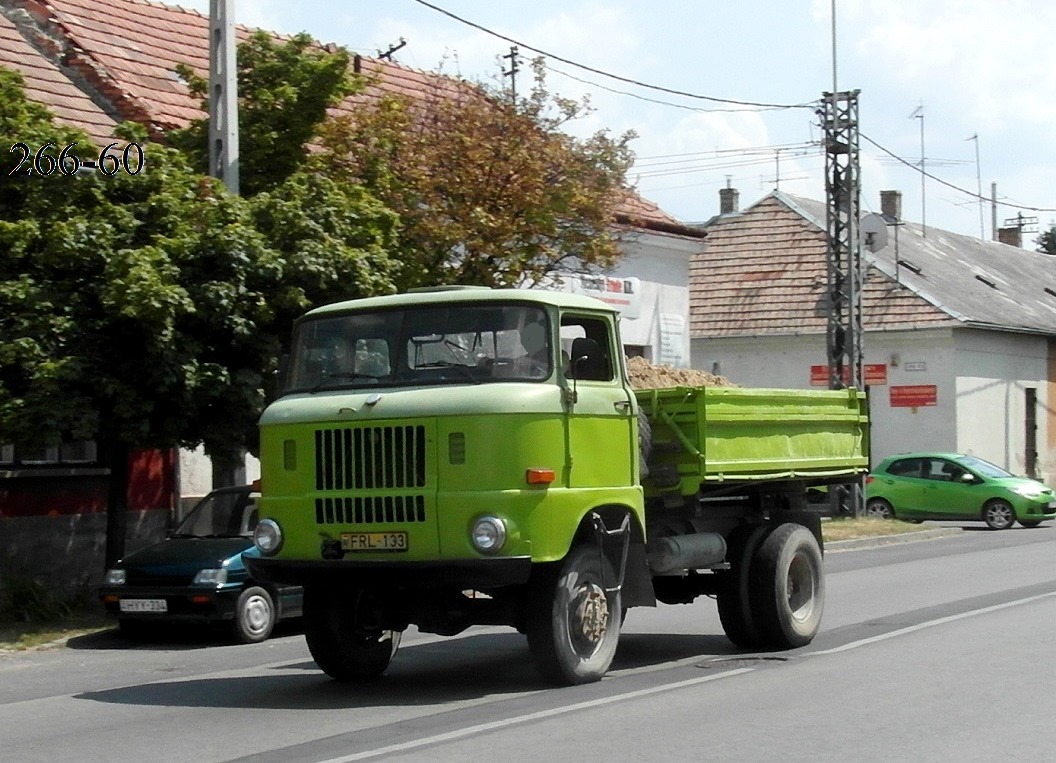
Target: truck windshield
[453, 344]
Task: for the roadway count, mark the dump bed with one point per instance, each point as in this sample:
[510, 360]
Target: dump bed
[713, 434]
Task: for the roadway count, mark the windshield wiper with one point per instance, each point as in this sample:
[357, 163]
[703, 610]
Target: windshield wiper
[463, 369]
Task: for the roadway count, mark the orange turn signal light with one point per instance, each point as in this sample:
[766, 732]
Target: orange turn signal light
[540, 476]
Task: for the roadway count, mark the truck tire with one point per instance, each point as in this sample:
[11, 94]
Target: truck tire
[573, 624]
[254, 616]
[734, 599]
[788, 587]
[339, 638]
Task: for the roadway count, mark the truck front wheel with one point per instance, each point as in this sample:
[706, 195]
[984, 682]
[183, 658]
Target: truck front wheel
[343, 636]
[788, 587]
[573, 622]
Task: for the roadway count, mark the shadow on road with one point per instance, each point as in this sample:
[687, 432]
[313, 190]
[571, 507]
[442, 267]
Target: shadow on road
[168, 637]
[447, 670]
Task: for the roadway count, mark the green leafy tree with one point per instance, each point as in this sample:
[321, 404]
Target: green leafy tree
[284, 91]
[488, 191]
[1046, 242]
[148, 310]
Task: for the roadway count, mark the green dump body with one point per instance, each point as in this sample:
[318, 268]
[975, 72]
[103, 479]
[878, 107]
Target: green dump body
[711, 435]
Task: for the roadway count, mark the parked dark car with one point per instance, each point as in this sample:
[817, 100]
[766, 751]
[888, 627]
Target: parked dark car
[917, 486]
[196, 575]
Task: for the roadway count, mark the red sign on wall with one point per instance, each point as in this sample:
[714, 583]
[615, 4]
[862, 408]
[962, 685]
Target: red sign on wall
[914, 395]
[874, 373]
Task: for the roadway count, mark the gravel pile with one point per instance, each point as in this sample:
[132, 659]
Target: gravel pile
[644, 375]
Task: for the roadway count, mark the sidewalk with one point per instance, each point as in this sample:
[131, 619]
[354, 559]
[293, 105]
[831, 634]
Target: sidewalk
[887, 540]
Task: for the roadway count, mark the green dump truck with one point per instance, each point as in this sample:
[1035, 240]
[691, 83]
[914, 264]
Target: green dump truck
[462, 456]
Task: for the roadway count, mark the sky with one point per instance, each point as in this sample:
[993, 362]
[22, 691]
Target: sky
[726, 93]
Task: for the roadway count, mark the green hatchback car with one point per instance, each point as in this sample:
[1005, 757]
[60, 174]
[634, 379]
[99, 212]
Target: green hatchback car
[918, 486]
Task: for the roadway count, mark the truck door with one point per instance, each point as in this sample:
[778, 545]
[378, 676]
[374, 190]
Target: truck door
[602, 444]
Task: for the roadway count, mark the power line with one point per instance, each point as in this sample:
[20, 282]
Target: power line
[965, 191]
[628, 80]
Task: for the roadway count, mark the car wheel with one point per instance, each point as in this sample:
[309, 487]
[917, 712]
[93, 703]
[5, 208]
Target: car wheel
[254, 616]
[879, 508]
[1030, 522]
[998, 514]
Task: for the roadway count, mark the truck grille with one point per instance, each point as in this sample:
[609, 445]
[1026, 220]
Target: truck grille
[370, 458]
[385, 509]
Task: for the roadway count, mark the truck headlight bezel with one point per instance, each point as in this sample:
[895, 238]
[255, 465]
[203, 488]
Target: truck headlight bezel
[487, 534]
[267, 537]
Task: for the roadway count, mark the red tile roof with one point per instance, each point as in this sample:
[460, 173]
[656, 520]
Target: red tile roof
[764, 272]
[48, 85]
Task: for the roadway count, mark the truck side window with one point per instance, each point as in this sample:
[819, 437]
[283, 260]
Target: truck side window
[598, 366]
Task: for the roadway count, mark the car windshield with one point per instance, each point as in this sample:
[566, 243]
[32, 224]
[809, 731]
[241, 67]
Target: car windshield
[220, 515]
[452, 344]
[984, 468]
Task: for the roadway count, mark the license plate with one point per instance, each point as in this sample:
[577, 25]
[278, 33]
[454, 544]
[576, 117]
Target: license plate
[390, 541]
[144, 605]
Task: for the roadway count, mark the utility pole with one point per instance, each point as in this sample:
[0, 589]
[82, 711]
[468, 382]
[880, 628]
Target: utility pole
[844, 260]
[223, 94]
[229, 468]
[512, 73]
[918, 113]
[979, 185]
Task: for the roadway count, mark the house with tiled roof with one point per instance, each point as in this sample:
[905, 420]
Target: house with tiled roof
[959, 334]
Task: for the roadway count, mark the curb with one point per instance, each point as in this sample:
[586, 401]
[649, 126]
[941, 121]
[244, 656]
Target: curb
[890, 540]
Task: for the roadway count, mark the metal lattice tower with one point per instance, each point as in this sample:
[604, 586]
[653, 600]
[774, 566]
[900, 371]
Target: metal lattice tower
[839, 117]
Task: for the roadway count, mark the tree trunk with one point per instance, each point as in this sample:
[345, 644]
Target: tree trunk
[117, 502]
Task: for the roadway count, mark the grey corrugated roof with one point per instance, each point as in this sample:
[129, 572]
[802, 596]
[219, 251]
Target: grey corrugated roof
[982, 284]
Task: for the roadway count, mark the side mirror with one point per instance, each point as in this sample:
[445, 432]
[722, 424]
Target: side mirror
[968, 479]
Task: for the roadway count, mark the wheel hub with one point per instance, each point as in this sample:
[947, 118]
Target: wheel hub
[591, 616]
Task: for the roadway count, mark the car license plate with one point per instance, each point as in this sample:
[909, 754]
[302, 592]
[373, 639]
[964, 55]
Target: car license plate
[144, 605]
[388, 541]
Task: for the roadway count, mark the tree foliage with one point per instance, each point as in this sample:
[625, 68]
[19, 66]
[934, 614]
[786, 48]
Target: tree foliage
[148, 310]
[284, 91]
[488, 191]
[1046, 242]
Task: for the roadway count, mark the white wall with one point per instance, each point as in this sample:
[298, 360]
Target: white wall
[661, 262]
[994, 371]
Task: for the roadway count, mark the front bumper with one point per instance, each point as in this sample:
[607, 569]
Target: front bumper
[459, 573]
[184, 604]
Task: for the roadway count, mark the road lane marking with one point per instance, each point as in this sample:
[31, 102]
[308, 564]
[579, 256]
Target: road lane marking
[931, 623]
[528, 718]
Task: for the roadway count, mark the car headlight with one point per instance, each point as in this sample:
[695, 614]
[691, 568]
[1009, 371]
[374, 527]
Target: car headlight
[212, 576]
[488, 534]
[115, 577]
[267, 536]
[1029, 491]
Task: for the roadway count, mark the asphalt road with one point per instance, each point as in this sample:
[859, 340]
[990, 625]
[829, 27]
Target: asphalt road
[935, 649]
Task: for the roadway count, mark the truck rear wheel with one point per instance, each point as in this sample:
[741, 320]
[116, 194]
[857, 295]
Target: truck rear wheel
[734, 599]
[573, 623]
[343, 637]
[788, 587]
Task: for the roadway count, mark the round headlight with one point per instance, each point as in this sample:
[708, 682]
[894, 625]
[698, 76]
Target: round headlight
[267, 536]
[488, 534]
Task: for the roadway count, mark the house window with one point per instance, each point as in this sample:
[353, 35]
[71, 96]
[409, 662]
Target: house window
[73, 452]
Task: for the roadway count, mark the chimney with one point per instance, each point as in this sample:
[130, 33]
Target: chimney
[891, 205]
[729, 200]
[1012, 236]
